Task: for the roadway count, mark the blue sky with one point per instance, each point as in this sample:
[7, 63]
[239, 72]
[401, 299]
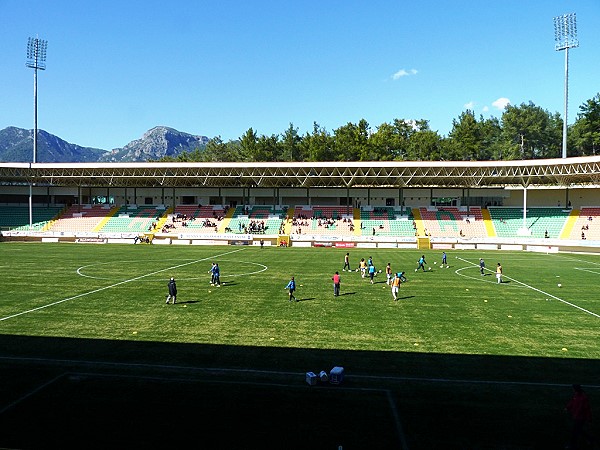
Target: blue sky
[115, 69]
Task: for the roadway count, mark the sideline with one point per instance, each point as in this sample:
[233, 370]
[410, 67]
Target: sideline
[116, 284]
[213, 371]
[537, 290]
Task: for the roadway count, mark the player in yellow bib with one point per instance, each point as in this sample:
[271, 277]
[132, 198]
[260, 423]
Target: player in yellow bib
[395, 286]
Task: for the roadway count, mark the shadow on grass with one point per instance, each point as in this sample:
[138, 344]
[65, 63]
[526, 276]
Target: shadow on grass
[136, 394]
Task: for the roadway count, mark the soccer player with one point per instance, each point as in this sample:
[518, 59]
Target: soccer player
[388, 273]
[346, 262]
[421, 263]
[481, 266]
[336, 284]
[212, 274]
[216, 275]
[444, 259]
[291, 286]
[499, 273]
[172, 291]
[372, 271]
[363, 267]
[401, 276]
[395, 286]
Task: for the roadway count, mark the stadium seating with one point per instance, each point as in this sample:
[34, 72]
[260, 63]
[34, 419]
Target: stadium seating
[133, 219]
[507, 221]
[323, 220]
[260, 219]
[81, 218]
[451, 221]
[17, 217]
[587, 224]
[386, 221]
[205, 219]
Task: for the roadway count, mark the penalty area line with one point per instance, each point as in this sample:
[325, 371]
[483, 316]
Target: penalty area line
[115, 285]
[540, 291]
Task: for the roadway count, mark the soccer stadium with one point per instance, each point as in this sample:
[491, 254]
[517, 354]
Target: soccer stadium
[93, 357]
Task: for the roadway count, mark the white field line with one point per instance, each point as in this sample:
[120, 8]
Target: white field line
[584, 269]
[263, 268]
[95, 365]
[398, 422]
[30, 393]
[115, 285]
[538, 290]
[388, 394]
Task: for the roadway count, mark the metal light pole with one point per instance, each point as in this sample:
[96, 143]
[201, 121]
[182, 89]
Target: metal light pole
[565, 37]
[36, 59]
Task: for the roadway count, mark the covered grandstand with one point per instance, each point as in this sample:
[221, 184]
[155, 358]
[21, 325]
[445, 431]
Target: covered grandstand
[454, 204]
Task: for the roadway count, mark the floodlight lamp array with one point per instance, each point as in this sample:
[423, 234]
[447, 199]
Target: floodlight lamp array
[36, 53]
[565, 32]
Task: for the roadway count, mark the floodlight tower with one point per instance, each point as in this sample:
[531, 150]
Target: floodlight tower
[565, 37]
[36, 59]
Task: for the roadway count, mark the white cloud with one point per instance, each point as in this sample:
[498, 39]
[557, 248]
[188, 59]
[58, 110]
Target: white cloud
[404, 73]
[470, 105]
[501, 103]
[485, 109]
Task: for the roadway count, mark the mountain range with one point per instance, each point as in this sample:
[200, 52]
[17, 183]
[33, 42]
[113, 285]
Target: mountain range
[16, 145]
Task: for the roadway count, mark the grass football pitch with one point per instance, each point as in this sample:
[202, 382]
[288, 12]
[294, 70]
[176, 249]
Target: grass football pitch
[92, 357]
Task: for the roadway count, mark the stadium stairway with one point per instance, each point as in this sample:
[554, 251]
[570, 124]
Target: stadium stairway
[54, 219]
[487, 221]
[419, 221]
[161, 222]
[357, 222]
[226, 220]
[287, 226]
[103, 222]
[569, 224]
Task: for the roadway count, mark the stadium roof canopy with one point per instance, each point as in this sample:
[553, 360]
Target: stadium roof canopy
[400, 174]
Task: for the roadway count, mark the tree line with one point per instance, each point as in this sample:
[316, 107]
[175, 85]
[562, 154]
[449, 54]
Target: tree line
[526, 131]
